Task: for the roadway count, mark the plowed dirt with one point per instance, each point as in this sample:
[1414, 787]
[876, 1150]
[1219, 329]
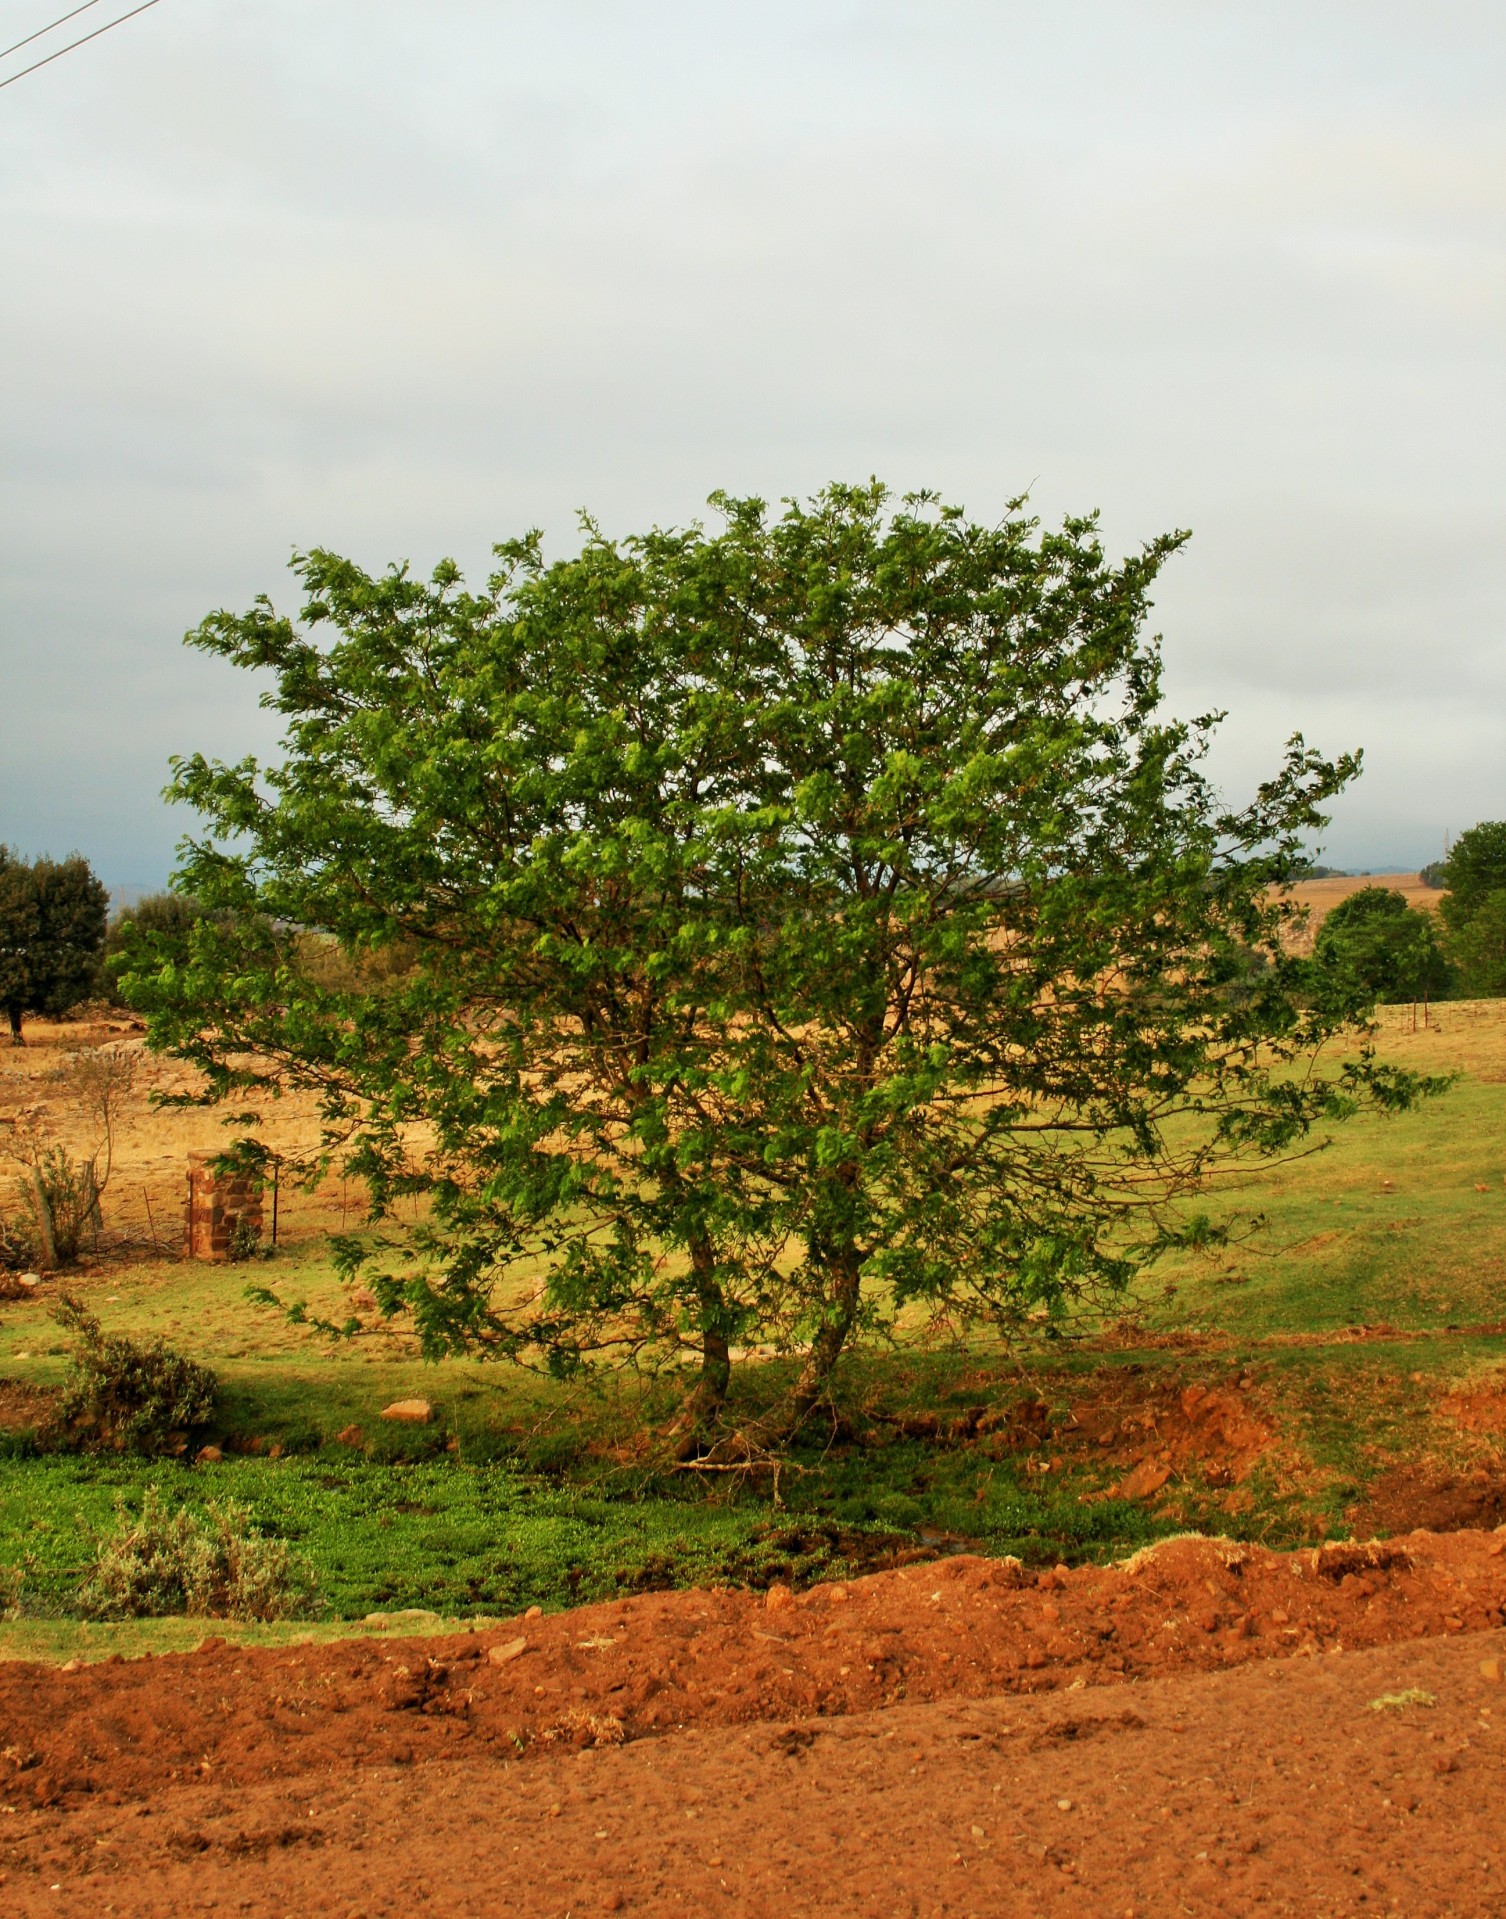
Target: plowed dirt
[868, 1748]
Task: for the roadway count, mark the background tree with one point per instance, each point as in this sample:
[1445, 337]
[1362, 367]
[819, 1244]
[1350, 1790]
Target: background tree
[1474, 869]
[154, 928]
[1474, 908]
[53, 915]
[1373, 946]
[817, 929]
[1478, 949]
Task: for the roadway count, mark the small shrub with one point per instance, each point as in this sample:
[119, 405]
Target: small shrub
[170, 1561]
[245, 1242]
[69, 1191]
[133, 1395]
[18, 1249]
[12, 1579]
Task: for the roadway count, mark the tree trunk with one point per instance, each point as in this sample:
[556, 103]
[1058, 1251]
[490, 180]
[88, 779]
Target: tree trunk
[704, 1407]
[826, 1348]
[756, 1441]
[14, 1014]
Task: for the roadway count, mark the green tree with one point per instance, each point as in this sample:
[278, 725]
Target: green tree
[154, 929]
[53, 915]
[1474, 908]
[1373, 946]
[1478, 949]
[815, 928]
[1474, 869]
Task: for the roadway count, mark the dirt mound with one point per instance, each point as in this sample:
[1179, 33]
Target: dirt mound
[634, 1667]
[1479, 1407]
[1364, 1782]
[1411, 1496]
[1163, 1429]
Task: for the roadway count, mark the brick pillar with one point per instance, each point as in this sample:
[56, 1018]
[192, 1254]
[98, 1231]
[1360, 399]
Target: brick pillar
[215, 1205]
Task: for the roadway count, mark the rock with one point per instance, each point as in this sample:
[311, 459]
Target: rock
[28, 1279]
[208, 1455]
[508, 1651]
[413, 1412]
[1143, 1480]
[778, 1597]
[1491, 1669]
[534, 1612]
[413, 1618]
[349, 1436]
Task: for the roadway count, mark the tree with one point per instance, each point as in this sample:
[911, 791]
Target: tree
[818, 930]
[52, 928]
[155, 928]
[1372, 945]
[1478, 949]
[1474, 908]
[1475, 868]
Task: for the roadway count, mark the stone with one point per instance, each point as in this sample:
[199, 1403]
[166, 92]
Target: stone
[1491, 1669]
[410, 1618]
[534, 1612]
[778, 1597]
[28, 1279]
[208, 1455]
[1143, 1480]
[413, 1412]
[509, 1650]
[349, 1436]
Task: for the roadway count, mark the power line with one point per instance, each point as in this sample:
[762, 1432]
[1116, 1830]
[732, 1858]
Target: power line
[6, 52]
[81, 41]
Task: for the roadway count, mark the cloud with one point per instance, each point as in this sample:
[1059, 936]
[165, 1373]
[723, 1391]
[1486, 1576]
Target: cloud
[404, 281]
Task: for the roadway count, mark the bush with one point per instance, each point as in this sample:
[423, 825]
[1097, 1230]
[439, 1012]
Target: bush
[141, 1397]
[65, 1193]
[18, 1246]
[173, 1561]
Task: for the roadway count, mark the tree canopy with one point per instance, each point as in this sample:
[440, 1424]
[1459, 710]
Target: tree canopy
[813, 929]
[1475, 868]
[1373, 946]
[1474, 908]
[53, 915]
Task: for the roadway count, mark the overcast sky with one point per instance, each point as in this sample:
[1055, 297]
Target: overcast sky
[406, 279]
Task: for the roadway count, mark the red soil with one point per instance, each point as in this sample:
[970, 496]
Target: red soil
[866, 1748]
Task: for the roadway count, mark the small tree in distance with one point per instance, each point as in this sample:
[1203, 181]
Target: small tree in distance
[53, 915]
[816, 928]
[1474, 908]
[1374, 946]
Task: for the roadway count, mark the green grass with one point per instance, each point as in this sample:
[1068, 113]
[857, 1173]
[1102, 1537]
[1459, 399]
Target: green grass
[1385, 1226]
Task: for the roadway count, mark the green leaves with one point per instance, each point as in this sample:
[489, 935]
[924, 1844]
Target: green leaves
[757, 935]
